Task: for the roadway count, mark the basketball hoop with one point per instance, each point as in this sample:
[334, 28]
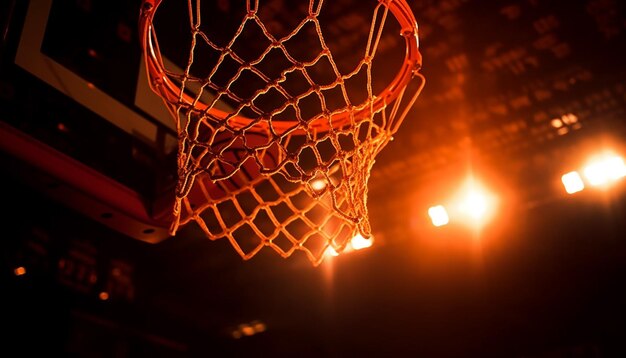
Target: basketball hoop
[276, 147]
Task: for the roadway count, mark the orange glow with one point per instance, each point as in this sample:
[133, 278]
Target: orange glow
[475, 204]
[258, 326]
[246, 329]
[331, 252]
[569, 118]
[438, 215]
[358, 242]
[572, 182]
[19, 271]
[318, 184]
[604, 170]
[62, 127]
[103, 296]
[615, 167]
[556, 123]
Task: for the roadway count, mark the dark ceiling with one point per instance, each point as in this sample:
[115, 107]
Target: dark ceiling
[546, 279]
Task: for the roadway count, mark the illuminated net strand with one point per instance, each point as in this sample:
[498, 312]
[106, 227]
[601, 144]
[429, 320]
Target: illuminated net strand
[227, 231]
[343, 199]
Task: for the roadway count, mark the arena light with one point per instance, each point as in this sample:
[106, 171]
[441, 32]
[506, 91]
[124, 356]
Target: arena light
[318, 185]
[248, 329]
[604, 170]
[474, 204]
[331, 252]
[358, 242]
[438, 215]
[572, 182]
[19, 271]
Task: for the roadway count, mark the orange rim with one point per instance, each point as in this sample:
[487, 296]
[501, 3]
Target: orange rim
[170, 92]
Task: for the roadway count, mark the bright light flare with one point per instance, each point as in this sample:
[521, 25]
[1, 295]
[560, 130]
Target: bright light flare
[572, 182]
[475, 204]
[331, 252]
[605, 170]
[318, 184]
[358, 242]
[438, 215]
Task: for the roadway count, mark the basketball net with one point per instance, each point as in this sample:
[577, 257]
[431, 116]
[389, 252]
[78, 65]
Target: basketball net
[247, 174]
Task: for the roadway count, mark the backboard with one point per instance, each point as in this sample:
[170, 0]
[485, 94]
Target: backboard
[85, 114]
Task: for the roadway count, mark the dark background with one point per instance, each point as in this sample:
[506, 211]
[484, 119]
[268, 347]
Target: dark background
[547, 278]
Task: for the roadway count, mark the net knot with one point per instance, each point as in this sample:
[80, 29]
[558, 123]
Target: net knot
[274, 83]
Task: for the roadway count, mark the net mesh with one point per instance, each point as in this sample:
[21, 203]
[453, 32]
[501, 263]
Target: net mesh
[266, 170]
